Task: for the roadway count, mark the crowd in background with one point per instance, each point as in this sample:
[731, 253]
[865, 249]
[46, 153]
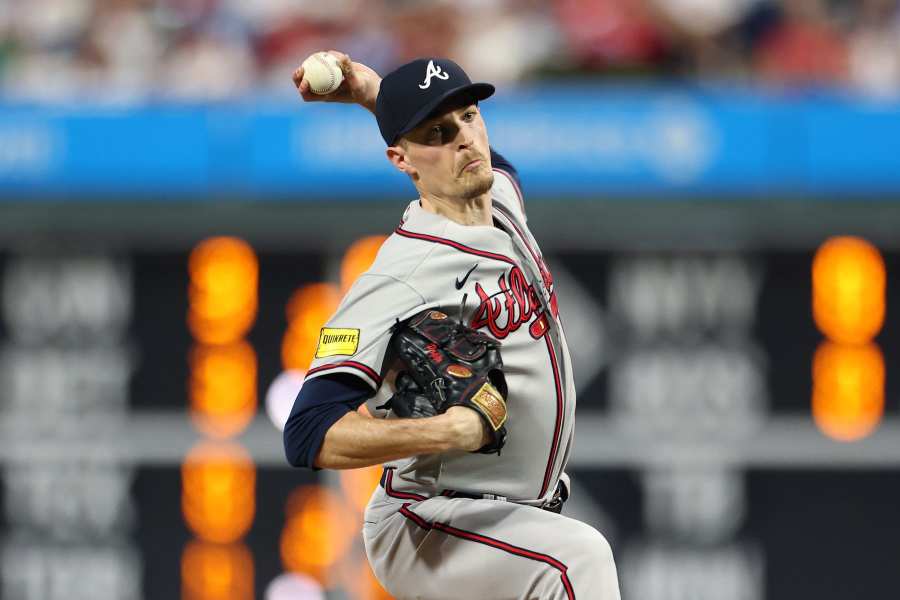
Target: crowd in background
[132, 50]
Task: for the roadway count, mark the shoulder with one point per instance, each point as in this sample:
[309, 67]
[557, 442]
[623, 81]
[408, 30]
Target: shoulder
[407, 264]
[507, 189]
[500, 163]
[400, 256]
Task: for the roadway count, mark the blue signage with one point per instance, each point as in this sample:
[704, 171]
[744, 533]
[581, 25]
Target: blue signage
[569, 142]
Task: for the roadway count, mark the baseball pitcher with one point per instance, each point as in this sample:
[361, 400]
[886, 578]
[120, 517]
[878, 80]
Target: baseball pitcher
[453, 341]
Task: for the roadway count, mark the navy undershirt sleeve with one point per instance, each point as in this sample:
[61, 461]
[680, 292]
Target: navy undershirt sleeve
[320, 403]
[499, 162]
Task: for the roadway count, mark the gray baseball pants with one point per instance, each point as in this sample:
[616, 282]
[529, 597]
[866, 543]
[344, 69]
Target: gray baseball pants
[463, 549]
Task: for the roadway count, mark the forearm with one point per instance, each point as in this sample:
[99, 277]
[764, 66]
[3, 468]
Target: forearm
[372, 86]
[356, 441]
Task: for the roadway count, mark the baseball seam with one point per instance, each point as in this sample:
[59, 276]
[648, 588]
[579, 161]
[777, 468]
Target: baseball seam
[330, 86]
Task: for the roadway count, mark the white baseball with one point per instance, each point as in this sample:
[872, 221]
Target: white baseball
[323, 72]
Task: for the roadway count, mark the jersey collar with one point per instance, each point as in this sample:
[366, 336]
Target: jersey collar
[418, 220]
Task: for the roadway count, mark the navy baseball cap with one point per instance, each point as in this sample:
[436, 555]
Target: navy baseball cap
[411, 92]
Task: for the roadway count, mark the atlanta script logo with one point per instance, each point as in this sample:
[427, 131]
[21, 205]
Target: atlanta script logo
[433, 70]
[515, 304]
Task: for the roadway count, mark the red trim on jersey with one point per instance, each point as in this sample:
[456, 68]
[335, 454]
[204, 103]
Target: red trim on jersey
[548, 473]
[387, 477]
[554, 447]
[512, 222]
[369, 371]
[515, 185]
[542, 266]
[493, 543]
[452, 244]
[415, 518]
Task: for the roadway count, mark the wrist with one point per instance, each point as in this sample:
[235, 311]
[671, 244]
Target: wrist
[372, 95]
[466, 429]
[445, 432]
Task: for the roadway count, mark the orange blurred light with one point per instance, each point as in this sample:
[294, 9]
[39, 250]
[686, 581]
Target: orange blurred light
[218, 494]
[221, 331]
[358, 485]
[317, 533]
[223, 293]
[222, 388]
[216, 572]
[372, 587]
[848, 390]
[358, 258]
[849, 290]
[308, 309]
[359, 582]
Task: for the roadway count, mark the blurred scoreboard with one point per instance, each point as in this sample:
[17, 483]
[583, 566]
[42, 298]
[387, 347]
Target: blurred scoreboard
[738, 433]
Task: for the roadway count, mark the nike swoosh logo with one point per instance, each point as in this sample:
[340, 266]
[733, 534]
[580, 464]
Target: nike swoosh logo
[460, 284]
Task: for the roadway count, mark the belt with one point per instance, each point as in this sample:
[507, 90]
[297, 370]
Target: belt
[553, 505]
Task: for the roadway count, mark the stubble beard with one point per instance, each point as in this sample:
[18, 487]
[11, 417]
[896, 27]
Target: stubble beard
[479, 183]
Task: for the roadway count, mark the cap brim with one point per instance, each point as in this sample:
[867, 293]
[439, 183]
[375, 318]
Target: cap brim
[480, 91]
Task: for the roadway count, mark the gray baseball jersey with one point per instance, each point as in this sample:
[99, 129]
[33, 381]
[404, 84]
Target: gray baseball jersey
[432, 262]
[422, 539]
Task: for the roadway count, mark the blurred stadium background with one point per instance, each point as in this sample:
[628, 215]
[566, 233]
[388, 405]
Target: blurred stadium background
[716, 184]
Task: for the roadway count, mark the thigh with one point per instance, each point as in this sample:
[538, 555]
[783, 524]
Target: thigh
[460, 548]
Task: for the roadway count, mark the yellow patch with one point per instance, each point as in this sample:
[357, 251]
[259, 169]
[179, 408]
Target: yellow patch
[337, 342]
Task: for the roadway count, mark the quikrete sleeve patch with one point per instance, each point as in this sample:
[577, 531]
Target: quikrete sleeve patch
[337, 342]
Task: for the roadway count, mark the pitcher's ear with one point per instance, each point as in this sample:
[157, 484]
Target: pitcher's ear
[398, 157]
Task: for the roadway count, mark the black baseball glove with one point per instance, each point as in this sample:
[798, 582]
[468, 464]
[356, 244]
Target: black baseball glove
[444, 363]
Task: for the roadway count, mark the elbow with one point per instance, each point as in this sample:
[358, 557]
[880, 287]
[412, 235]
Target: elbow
[294, 444]
[303, 444]
[294, 458]
[321, 462]
[322, 456]
[305, 434]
